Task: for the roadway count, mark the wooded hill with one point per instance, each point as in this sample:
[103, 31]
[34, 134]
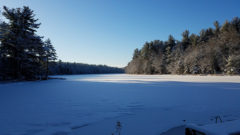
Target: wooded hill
[213, 51]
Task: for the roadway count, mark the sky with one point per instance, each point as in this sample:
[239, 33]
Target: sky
[108, 31]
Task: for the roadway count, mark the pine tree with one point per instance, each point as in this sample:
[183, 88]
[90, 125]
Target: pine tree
[185, 39]
[49, 55]
[217, 27]
[20, 44]
[136, 53]
[194, 39]
[168, 50]
[171, 41]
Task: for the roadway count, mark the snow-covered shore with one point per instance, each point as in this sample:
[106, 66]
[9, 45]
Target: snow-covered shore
[92, 104]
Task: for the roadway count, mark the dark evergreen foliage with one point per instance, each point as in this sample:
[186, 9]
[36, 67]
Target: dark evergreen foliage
[67, 68]
[213, 51]
[23, 54]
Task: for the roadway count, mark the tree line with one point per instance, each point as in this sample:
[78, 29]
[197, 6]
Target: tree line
[213, 51]
[63, 68]
[24, 55]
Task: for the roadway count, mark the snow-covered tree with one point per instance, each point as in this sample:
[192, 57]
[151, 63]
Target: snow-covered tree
[212, 51]
[233, 64]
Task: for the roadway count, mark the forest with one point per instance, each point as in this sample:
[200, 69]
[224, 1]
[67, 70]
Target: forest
[70, 68]
[213, 51]
[25, 55]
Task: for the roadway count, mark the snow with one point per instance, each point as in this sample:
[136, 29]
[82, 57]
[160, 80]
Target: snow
[92, 104]
[226, 128]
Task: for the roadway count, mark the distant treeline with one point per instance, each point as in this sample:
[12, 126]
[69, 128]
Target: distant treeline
[213, 51]
[61, 68]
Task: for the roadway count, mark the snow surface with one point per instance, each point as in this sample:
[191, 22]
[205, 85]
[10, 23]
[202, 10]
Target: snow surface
[226, 128]
[92, 104]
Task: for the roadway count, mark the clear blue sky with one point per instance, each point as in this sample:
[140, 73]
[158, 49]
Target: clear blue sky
[108, 31]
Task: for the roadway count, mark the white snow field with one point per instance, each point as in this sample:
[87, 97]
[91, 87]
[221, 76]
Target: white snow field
[92, 104]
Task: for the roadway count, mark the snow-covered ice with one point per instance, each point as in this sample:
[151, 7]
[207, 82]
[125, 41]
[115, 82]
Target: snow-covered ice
[92, 104]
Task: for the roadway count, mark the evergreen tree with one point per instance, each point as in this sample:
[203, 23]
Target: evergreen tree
[194, 39]
[21, 47]
[171, 41]
[49, 55]
[136, 53]
[236, 23]
[168, 50]
[217, 27]
[185, 39]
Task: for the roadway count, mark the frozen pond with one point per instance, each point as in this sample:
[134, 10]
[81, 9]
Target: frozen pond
[92, 104]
